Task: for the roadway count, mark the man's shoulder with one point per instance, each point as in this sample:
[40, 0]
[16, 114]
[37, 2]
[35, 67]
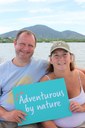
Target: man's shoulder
[4, 64]
[39, 61]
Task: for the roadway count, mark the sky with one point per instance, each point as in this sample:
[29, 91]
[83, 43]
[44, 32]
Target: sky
[59, 15]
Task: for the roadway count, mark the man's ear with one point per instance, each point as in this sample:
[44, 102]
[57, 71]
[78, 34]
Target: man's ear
[15, 42]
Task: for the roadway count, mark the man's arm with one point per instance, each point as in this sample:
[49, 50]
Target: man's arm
[83, 70]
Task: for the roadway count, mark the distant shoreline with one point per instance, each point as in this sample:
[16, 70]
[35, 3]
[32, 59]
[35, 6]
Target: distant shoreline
[48, 42]
[11, 40]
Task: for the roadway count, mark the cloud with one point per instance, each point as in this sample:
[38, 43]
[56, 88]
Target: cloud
[71, 18]
[44, 10]
[32, 12]
[8, 1]
[80, 1]
[61, 21]
[36, 0]
[4, 29]
[47, 1]
[11, 10]
[61, 18]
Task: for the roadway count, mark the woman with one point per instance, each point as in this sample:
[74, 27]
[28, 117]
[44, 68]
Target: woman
[62, 65]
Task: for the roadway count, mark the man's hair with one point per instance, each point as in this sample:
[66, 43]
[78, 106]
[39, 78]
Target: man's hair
[27, 32]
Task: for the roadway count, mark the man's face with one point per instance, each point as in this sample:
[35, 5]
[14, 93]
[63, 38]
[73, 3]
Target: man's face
[24, 47]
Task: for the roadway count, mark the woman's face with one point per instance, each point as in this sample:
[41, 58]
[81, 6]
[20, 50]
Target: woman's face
[60, 59]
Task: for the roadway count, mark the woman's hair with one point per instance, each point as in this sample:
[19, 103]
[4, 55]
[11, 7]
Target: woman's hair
[72, 64]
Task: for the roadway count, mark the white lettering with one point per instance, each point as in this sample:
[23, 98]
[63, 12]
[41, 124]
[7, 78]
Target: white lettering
[48, 105]
[29, 109]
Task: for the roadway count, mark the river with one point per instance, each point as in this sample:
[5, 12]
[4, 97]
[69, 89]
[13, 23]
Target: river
[42, 51]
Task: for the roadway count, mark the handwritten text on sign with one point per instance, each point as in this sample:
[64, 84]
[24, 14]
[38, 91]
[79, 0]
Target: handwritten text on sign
[42, 101]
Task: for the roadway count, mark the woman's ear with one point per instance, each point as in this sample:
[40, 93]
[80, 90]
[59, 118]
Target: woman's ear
[51, 59]
[72, 57]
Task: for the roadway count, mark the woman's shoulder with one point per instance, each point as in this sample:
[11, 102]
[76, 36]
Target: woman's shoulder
[45, 77]
[78, 71]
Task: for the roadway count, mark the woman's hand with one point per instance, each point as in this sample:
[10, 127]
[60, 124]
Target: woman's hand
[76, 107]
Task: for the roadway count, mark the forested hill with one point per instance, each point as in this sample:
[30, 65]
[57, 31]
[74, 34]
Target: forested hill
[45, 32]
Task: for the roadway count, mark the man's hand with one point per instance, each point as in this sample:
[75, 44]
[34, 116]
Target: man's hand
[14, 116]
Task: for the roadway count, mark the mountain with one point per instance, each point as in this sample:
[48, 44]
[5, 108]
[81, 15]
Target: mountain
[45, 32]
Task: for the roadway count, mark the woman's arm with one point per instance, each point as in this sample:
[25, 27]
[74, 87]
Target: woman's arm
[75, 106]
[82, 77]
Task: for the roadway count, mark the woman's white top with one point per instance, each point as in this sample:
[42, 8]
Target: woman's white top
[77, 118]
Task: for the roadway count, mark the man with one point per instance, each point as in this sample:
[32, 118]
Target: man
[23, 69]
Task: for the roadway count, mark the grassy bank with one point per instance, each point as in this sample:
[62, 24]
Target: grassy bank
[10, 40]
